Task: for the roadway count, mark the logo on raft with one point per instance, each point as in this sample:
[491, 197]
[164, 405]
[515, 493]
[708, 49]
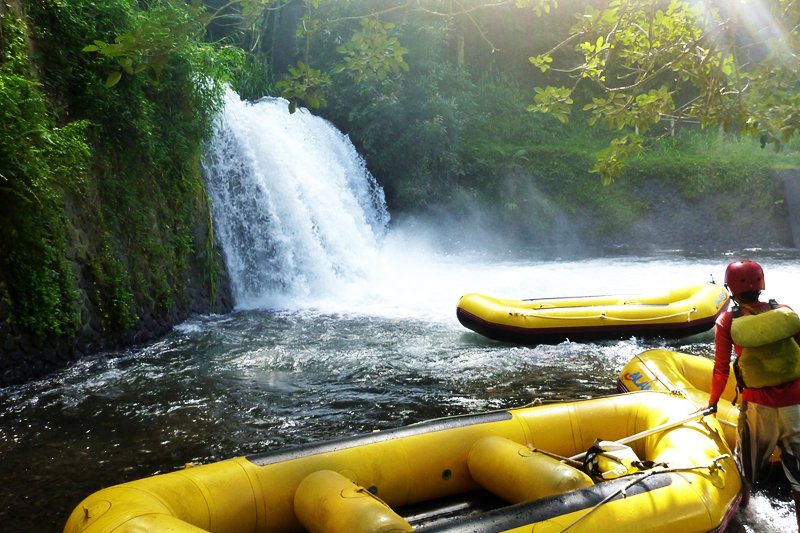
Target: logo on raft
[721, 298]
[638, 379]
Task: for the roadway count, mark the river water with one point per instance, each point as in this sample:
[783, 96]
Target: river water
[377, 357]
[341, 327]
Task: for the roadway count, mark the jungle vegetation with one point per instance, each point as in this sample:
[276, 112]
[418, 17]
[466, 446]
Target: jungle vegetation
[106, 105]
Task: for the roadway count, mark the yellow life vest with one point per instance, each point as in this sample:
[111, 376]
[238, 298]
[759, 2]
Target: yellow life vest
[770, 356]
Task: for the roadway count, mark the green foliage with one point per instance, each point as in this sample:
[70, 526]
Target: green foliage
[408, 128]
[541, 7]
[37, 162]
[113, 291]
[304, 85]
[252, 78]
[169, 29]
[413, 144]
[372, 53]
[702, 162]
[34, 152]
[612, 159]
[156, 34]
[553, 100]
[41, 288]
[144, 190]
[731, 65]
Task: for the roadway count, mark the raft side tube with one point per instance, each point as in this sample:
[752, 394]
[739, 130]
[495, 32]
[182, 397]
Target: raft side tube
[517, 474]
[386, 435]
[328, 502]
[203, 498]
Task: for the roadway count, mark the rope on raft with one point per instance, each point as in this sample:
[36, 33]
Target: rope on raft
[712, 467]
[603, 316]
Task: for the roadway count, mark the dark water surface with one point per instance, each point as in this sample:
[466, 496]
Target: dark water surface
[382, 353]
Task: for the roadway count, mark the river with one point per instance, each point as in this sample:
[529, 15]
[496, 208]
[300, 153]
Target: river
[378, 357]
[344, 323]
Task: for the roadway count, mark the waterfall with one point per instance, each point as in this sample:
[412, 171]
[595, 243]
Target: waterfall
[295, 208]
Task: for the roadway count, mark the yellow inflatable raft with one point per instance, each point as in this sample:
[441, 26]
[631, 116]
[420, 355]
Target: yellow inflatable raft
[512, 470]
[677, 313]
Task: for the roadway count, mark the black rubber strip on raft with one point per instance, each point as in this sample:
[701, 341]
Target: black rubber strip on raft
[433, 512]
[522, 514]
[429, 426]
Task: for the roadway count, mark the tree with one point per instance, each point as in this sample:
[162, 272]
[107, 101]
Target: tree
[165, 29]
[635, 65]
[368, 49]
[371, 50]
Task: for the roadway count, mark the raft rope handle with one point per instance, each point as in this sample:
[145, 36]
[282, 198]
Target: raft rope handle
[712, 467]
[567, 460]
[603, 316]
[577, 460]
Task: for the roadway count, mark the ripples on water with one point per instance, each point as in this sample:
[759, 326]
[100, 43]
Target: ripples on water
[381, 354]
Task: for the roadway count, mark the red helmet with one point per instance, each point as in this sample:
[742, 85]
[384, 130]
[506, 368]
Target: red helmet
[743, 276]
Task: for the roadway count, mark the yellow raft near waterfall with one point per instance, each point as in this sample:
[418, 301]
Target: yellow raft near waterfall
[676, 313]
[512, 470]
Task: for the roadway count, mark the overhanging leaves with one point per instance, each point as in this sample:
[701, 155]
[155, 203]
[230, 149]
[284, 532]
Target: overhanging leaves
[723, 64]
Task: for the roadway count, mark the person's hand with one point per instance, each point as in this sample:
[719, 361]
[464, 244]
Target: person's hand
[708, 409]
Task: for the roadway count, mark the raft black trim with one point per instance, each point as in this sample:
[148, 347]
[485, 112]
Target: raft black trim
[429, 426]
[526, 513]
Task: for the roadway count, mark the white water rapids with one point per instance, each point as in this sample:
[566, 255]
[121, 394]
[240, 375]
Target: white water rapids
[295, 207]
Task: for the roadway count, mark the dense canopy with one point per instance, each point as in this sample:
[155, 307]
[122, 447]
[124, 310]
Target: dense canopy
[637, 66]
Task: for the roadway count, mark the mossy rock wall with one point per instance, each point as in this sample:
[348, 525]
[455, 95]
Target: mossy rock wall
[200, 286]
[105, 231]
[638, 215]
[754, 215]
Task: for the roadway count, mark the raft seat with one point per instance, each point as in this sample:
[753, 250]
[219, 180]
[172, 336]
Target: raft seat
[515, 473]
[328, 502]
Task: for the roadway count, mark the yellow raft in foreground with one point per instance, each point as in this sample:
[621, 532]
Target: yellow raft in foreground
[677, 313]
[495, 471]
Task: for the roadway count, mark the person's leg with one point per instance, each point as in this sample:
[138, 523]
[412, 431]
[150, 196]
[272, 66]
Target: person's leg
[745, 501]
[791, 467]
[790, 451]
[796, 496]
[757, 436]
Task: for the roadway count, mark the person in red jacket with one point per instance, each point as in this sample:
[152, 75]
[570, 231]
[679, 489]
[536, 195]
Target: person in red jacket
[765, 338]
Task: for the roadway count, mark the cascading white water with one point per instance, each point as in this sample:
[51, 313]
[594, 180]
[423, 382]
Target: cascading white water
[295, 208]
